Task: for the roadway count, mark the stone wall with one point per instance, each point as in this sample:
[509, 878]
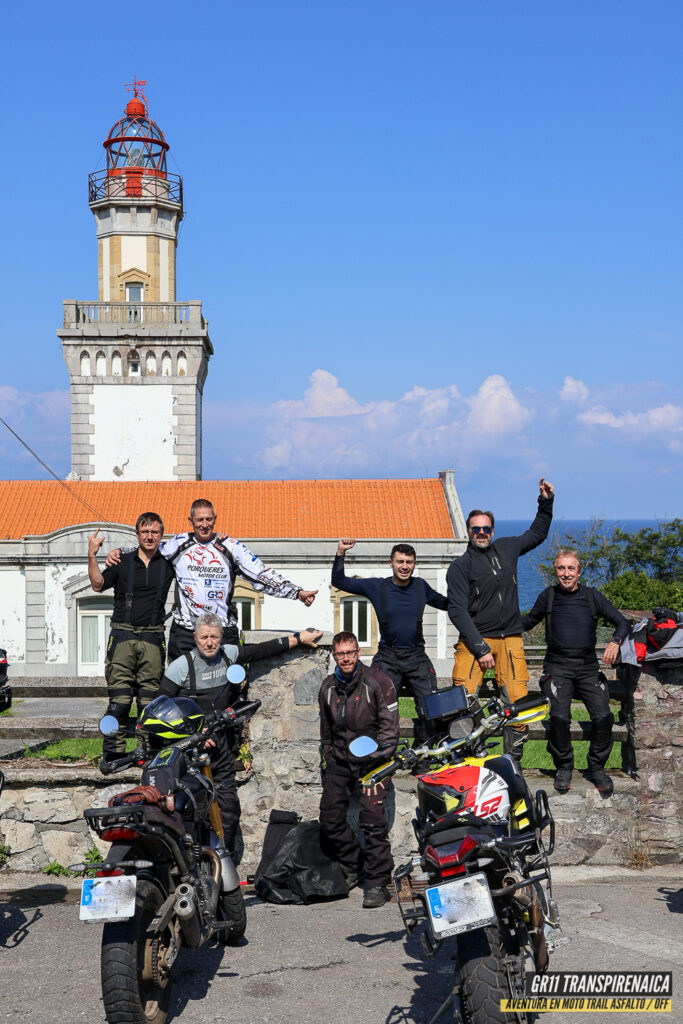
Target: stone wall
[641, 823]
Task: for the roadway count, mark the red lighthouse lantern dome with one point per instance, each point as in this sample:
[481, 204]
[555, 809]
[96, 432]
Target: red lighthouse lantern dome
[136, 150]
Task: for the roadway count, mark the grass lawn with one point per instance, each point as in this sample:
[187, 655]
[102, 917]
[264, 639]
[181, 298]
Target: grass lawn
[535, 753]
[74, 750]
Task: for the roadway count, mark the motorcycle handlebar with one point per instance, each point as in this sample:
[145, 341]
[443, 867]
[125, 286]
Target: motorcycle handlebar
[110, 767]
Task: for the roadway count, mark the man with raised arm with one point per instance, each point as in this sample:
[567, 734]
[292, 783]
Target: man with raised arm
[399, 602]
[483, 605]
[206, 565]
[136, 649]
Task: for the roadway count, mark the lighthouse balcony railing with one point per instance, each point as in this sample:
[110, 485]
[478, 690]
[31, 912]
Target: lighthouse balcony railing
[133, 314]
[135, 182]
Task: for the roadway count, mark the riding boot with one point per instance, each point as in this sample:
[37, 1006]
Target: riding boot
[601, 743]
[560, 743]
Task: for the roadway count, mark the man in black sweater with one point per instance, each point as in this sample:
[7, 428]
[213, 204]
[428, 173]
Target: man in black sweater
[399, 602]
[571, 613]
[484, 607]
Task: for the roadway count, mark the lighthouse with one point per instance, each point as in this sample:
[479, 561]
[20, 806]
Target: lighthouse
[137, 358]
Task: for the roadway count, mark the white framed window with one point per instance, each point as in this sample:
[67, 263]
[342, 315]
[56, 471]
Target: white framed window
[246, 618]
[94, 620]
[355, 618]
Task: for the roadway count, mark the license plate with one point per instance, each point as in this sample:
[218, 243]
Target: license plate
[460, 906]
[108, 899]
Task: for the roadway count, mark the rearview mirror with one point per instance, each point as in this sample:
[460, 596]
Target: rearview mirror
[108, 725]
[236, 674]
[362, 746]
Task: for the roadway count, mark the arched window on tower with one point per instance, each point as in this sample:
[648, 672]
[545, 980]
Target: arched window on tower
[116, 364]
[166, 364]
[133, 363]
[151, 364]
[85, 364]
[182, 364]
[101, 364]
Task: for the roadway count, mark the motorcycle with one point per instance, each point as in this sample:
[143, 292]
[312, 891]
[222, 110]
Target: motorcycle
[168, 880]
[484, 879]
[5, 688]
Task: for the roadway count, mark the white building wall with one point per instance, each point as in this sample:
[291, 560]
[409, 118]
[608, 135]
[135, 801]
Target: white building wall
[133, 252]
[13, 613]
[122, 414]
[56, 616]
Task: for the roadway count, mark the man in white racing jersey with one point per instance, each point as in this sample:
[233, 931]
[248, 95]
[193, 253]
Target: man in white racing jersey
[206, 565]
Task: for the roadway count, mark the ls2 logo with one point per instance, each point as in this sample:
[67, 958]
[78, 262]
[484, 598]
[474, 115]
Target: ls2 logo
[216, 595]
[487, 807]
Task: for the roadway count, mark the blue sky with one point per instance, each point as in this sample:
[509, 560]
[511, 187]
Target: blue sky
[426, 235]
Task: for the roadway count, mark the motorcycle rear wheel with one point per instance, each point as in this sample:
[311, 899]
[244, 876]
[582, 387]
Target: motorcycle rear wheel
[484, 980]
[129, 992]
[232, 908]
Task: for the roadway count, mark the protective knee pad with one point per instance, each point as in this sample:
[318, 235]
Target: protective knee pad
[119, 711]
[560, 742]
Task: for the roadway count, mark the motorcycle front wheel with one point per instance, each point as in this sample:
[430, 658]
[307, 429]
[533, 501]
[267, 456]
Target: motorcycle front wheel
[135, 989]
[231, 908]
[484, 979]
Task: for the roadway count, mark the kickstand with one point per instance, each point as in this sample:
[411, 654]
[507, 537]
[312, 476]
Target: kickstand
[454, 1000]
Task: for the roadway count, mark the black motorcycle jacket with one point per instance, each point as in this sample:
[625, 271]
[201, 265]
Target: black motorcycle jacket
[366, 706]
[482, 585]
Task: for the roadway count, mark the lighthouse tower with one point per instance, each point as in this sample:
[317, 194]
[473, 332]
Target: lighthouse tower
[137, 358]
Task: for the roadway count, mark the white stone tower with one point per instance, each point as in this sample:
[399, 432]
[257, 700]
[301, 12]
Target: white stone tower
[137, 359]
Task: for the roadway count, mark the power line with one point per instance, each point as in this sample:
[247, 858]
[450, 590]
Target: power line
[98, 516]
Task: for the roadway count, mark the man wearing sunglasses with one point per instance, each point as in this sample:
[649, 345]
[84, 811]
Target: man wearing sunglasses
[483, 605]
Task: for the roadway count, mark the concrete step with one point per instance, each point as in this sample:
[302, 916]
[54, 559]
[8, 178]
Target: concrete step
[48, 728]
[59, 688]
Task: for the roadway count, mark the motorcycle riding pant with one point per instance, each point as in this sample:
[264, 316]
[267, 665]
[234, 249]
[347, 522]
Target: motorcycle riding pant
[338, 839]
[412, 667]
[570, 678]
[512, 678]
[224, 769]
[133, 669]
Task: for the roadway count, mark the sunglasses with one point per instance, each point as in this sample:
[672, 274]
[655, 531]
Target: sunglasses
[488, 530]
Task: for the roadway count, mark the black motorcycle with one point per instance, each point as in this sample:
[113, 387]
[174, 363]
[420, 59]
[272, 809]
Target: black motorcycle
[168, 880]
[481, 878]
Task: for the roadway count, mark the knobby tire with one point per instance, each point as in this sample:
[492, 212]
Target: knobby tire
[484, 978]
[129, 997]
[232, 909]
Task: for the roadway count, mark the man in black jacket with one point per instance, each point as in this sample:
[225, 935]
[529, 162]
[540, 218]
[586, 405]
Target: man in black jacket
[483, 605]
[399, 602]
[356, 701]
[571, 613]
[136, 649]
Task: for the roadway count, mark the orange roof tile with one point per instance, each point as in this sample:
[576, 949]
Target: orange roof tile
[250, 508]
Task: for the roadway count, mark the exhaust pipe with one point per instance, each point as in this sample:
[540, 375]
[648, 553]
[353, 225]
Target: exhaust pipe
[188, 915]
[521, 897]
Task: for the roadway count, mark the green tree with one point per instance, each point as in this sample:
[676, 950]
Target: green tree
[647, 565]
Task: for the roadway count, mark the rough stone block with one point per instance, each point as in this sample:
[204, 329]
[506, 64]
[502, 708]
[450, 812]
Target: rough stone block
[49, 806]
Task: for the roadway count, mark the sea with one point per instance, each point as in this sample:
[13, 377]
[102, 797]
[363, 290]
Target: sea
[530, 580]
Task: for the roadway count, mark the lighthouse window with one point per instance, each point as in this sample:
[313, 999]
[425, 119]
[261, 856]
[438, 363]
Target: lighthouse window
[116, 364]
[133, 364]
[100, 364]
[151, 364]
[134, 292]
[166, 364]
[85, 364]
[182, 364]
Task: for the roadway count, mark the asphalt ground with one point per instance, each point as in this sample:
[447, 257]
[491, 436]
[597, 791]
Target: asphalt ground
[332, 963]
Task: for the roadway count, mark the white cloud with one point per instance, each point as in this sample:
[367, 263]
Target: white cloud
[661, 419]
[574, 391]
[329, 431]
[494, 410]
